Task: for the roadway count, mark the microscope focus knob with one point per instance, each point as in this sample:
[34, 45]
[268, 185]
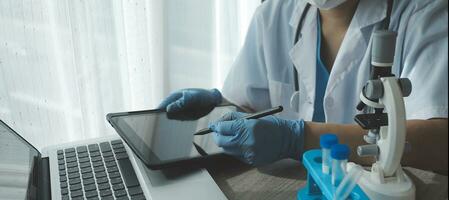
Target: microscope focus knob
[368, 150]
[406, 86]
[374, 89]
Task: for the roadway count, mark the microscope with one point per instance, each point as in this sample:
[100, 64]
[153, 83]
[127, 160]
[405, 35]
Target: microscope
[382, 98]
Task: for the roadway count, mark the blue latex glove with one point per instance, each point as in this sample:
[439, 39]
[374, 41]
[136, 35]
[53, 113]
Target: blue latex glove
[259, 141]
[190, 104]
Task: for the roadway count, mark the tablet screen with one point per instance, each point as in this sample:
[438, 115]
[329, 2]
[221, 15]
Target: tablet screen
[158, 140]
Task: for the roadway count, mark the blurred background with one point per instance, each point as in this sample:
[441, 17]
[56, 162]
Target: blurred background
[65, 64]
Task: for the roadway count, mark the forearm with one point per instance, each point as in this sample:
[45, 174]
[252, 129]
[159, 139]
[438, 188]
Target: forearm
[429, 140]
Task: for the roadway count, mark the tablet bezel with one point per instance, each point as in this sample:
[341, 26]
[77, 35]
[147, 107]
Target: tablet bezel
[150, 159]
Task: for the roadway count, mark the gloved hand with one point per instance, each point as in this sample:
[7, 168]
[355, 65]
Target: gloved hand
[259, 141]
[190, 104]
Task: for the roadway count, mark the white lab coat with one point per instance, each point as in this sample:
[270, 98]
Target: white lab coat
[262, 75]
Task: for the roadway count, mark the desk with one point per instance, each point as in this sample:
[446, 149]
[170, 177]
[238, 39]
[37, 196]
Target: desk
[282, 180]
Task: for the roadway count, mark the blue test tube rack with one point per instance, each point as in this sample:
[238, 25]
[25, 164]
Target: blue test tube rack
[319, 186]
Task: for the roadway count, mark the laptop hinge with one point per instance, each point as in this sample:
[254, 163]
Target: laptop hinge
[44, 190]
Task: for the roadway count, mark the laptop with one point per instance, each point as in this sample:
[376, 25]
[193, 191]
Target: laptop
[102, 168]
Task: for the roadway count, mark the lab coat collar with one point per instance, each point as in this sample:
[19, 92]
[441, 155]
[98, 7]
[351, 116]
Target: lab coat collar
[296, 15]
[368, 12]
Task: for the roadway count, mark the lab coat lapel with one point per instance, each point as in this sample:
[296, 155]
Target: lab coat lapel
[352, 51]
[303, 56]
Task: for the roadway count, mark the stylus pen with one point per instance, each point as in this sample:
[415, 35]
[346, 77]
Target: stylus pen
[257, 115]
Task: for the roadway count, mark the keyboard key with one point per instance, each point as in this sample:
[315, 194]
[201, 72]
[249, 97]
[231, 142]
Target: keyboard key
[135, 190]
[96, 164]
[75, 187]
[121, 156]
[84, 165]
[95, 159]
[61, 167]
[74, 175]
[82, 155]
[122, 198]
[105, 147]
[118, 186]
[116, 180]
[87, 175]
[71, 154]
[72, 164]
[69, 150]
[76, 193]
[128, 173]
[72, 159]
[65, 197]
[62, 173]
[78, 198]
[86, 170]
[95, 153]
[93, 147]
[113, 142]
[62, 178]
[106, 192]
[103, 186]
[63, 184]
[120, 193]
[99, 169]
[108, 154]
[81, 149]
[90, 187]
[74, 181]
[61, 162]
[138, 197]
[60, 152]
[109, 197]
[120, 150]
[118, 146]
[100, 174]
[92, 198]
[88, 181]
[102, 180]
[111, 164]
[72, 170]
[60, 157]
[114, 174]
[113, 169]
[64, 191]
[81, 160]
[109, 159]
[91, 194]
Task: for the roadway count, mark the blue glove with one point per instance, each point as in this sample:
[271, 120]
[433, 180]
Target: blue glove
[190, 104]
[259, 141]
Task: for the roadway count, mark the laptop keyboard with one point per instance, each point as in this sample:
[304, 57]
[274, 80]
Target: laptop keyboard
[98, 171]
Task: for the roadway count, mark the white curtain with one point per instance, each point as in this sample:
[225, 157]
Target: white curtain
[65, 64]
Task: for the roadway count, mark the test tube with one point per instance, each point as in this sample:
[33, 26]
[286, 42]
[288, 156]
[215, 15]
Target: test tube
[340, 154]
[348, 183]
[326, 142]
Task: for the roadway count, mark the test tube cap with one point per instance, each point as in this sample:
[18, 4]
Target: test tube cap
[340, 152]
[328, 140]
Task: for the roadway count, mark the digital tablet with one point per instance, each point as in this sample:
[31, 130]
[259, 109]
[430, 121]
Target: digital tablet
[161, 142]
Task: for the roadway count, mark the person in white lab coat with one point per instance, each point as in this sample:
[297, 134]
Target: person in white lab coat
[332, 59]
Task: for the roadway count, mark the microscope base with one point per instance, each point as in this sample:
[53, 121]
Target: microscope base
[391, 189]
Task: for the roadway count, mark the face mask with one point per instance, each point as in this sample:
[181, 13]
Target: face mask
[325, 4]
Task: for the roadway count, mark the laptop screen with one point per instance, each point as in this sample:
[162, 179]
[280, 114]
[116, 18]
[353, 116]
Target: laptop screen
[17, 158]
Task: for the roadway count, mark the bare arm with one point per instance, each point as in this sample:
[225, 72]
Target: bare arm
[429, 140]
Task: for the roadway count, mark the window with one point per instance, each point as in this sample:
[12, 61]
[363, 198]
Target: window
[65, 64]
